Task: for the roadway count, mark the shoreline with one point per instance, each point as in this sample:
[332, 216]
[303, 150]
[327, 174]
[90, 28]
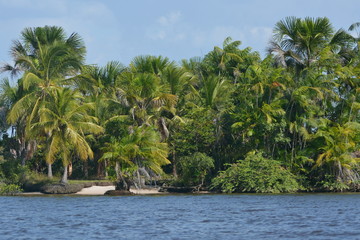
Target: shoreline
[100, 191]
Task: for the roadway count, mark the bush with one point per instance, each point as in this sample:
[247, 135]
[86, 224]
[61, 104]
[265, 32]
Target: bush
[10, 189]
[195, 167]
[331, 184]
[33, 182]
[12, 171]
[256, 174]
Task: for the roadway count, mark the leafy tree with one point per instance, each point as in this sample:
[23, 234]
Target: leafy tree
[195, 167]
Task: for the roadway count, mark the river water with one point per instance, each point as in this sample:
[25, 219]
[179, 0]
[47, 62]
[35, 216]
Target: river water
[243, 216]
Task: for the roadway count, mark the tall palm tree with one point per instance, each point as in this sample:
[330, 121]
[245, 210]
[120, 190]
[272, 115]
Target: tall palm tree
[46, 57]
[66, 123]
[298, 42]
[143, 91]
[215, 92]
[99, 86]
[149, 64]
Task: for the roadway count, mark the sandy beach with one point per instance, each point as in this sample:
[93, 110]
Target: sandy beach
[100, 190]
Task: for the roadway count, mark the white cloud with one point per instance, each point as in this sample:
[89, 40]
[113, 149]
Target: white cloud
[168, 27]
[170, 19]
[217, 35]
[157, 35]
[264, 33]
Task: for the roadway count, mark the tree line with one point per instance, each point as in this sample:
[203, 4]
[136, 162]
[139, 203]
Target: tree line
[230, 119]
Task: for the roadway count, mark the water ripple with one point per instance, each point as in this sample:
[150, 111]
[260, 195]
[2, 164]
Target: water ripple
[296, 216]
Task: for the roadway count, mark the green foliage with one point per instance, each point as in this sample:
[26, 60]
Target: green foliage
[299, 105]
[33, 181]
[10, 189]
[140, 149]
[330, 184]
[12, 171]
[256, 174]
[195, 167]
[197, 134]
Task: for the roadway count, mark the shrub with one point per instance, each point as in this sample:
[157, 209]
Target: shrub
[195, 167]
[10, 189]
[33, 182]
[331, 184]
[255, 174]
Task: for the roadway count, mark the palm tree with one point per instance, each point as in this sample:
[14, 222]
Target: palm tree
[139, 152]
[66, 122]
[143, 91]
[149, 64]
[221, 60]
[8, 96]
[99, 87]
[298, 42]
[337, 145]
[215, 92]
[47, 58]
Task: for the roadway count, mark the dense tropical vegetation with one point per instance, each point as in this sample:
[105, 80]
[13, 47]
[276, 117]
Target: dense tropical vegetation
[229, 120]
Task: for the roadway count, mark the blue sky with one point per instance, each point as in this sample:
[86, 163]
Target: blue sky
[120, 30]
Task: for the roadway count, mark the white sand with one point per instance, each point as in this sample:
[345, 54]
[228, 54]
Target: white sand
[95, 190]
[100, 190]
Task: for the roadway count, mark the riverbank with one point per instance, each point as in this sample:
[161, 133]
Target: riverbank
[100, 190]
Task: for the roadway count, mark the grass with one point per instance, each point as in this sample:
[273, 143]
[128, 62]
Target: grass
[86, 181]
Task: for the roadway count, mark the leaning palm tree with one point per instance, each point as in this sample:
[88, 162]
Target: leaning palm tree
[66, 122]
[141, 152]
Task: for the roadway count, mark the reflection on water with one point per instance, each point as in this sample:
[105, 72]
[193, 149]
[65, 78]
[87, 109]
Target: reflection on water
[298, 216]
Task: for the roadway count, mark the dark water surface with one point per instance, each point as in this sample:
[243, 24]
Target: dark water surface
[298, 216]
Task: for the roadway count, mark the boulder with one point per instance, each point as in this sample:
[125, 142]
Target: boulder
[61, 188]
[177, 189]
[118, 193]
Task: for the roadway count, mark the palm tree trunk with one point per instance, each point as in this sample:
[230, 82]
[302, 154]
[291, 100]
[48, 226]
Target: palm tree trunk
[50, 174]
[70, 169]
[117, 170]
[123, 183]
[65, 175]
[86, 169]
[105, 168]
[22, 151]
[174, 170]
